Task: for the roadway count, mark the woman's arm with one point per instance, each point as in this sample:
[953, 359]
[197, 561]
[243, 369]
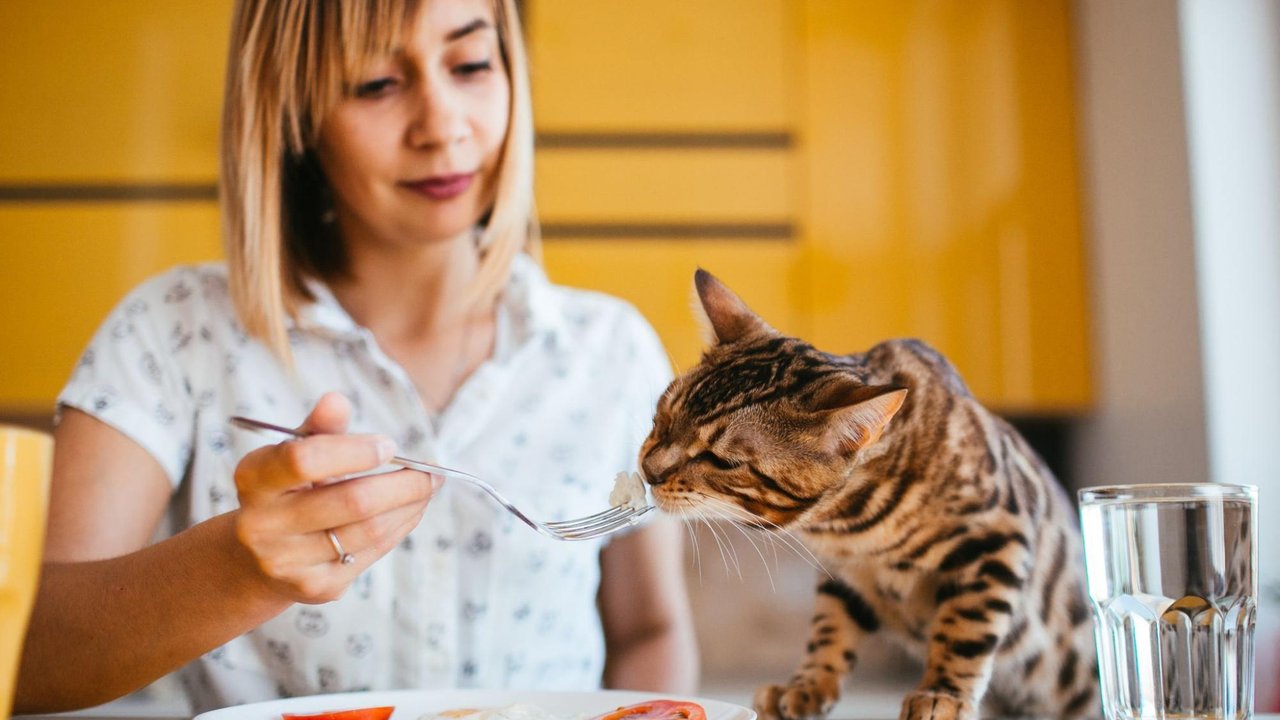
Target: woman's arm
[648, 624]
[113, 614]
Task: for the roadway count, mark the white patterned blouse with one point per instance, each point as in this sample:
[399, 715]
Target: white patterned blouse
[471, 598]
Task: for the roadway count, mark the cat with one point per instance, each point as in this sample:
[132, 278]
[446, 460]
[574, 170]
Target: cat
[935, 522]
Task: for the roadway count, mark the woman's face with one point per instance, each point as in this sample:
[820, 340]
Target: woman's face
[411, 152]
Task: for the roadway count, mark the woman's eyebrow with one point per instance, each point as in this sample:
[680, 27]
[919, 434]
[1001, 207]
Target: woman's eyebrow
[473, 26]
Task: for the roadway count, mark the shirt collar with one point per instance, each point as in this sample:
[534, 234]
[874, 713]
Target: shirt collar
[325, 314]
[529, 300]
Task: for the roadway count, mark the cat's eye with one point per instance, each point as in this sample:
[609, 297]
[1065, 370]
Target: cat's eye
[716, 461]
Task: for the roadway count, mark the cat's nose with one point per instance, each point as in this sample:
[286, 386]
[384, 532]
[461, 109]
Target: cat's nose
[652, 469]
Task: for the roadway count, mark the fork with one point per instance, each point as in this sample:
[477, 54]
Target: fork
[583, 528]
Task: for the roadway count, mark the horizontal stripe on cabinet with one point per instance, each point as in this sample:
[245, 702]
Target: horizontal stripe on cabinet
[107, 192]
[559, 230]
[648, 140]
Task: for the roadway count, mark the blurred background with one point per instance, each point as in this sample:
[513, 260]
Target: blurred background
[1078, 201]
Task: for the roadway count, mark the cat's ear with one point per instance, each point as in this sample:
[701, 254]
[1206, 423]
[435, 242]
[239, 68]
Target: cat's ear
[856, 414]
[721, 314]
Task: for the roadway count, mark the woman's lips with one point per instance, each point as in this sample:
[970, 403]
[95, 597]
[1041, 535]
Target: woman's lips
[442, 187]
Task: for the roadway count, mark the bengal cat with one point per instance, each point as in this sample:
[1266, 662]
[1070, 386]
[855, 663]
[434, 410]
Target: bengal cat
[934, 519]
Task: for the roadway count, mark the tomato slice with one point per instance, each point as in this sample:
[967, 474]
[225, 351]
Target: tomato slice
[371, 713]
[657, 710]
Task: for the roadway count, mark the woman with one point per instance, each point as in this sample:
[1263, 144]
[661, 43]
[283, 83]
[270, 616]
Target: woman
[376, 186]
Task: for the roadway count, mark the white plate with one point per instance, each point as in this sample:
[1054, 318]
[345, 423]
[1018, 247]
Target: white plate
[412, 704]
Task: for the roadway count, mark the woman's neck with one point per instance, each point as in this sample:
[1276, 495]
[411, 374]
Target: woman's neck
[413, 303]
[409, 297]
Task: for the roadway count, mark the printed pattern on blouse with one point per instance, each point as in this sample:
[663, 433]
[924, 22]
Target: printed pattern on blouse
[470, 598]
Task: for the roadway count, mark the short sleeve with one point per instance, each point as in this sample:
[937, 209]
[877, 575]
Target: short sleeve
[135, 373]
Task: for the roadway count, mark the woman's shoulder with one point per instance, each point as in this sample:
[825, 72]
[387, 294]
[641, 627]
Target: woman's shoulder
[578, 303]
[198, 284]
[204, 277]
[577, 311]
[177, 300]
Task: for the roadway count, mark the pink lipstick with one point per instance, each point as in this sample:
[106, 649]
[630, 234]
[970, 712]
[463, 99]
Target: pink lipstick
[442, 187]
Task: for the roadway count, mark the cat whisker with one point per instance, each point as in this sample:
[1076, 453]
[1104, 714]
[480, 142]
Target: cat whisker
[740, 517]
[700, 517]
[787, 537]
[715, 504]
[756, 547]
[733, 549]
[726, 550]
[697, 555]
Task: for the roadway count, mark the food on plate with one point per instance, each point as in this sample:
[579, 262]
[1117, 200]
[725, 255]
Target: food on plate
[657, 710]
[516, 711]
[628, 489]
[369, 713]
[649, 710]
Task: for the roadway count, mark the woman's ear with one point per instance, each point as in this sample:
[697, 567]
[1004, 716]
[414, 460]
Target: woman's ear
[723, 316]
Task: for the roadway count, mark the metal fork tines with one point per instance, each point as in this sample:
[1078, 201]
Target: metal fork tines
[583, 528]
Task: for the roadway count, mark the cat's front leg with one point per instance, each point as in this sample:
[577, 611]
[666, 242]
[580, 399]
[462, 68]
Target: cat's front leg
[841, 619]
[973, 616]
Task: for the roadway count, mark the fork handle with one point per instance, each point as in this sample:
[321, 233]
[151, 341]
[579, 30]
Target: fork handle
[258, 426]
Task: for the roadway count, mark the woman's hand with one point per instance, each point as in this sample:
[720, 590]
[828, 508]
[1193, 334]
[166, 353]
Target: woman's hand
[290, 497]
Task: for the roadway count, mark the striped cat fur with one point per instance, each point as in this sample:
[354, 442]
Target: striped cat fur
[936, 523]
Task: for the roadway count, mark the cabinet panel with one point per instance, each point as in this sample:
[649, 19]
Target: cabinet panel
[657, 277]
[66, 266]
[111, 91]
[942, 197]
[742, 186]
[626, 65]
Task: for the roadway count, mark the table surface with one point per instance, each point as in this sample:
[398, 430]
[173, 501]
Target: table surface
[78, 716]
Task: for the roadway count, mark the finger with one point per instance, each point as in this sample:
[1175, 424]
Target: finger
[362, 498]
[371, 538]
[329, 416]
[297, 464]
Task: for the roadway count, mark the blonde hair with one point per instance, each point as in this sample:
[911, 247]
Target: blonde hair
[288, 64]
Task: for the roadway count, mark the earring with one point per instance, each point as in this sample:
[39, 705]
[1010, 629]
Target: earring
[328, 216]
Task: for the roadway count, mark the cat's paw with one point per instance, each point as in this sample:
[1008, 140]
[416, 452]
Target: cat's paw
[802, 700]
[924, 705]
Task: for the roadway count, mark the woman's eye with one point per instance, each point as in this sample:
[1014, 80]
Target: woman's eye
[716, 461]
[473, 68]
[375, 88]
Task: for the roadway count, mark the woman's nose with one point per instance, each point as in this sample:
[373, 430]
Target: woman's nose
[438, 119]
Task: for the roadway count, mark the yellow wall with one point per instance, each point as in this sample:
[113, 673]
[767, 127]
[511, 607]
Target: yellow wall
[856, 169]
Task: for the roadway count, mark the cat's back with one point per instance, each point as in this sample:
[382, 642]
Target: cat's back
[911, 363]
[949, 433]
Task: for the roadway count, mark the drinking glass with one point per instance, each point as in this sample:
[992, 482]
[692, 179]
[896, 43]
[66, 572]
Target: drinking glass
[1174, 595]
[25, 461]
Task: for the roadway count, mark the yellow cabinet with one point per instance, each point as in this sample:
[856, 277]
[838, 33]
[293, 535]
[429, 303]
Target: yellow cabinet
[666, 144]
[108, 164]
[107, 92]
[622, 65]
[939, 144]
[66, 265]
[926, 186]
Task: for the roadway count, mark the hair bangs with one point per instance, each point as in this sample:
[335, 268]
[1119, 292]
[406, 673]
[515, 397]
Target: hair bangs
[337, 43]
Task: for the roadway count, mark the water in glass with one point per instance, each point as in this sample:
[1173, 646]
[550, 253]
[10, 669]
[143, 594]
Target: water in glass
[1172, 585]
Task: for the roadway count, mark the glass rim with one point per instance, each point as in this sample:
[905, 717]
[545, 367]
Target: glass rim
[1167, 491]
